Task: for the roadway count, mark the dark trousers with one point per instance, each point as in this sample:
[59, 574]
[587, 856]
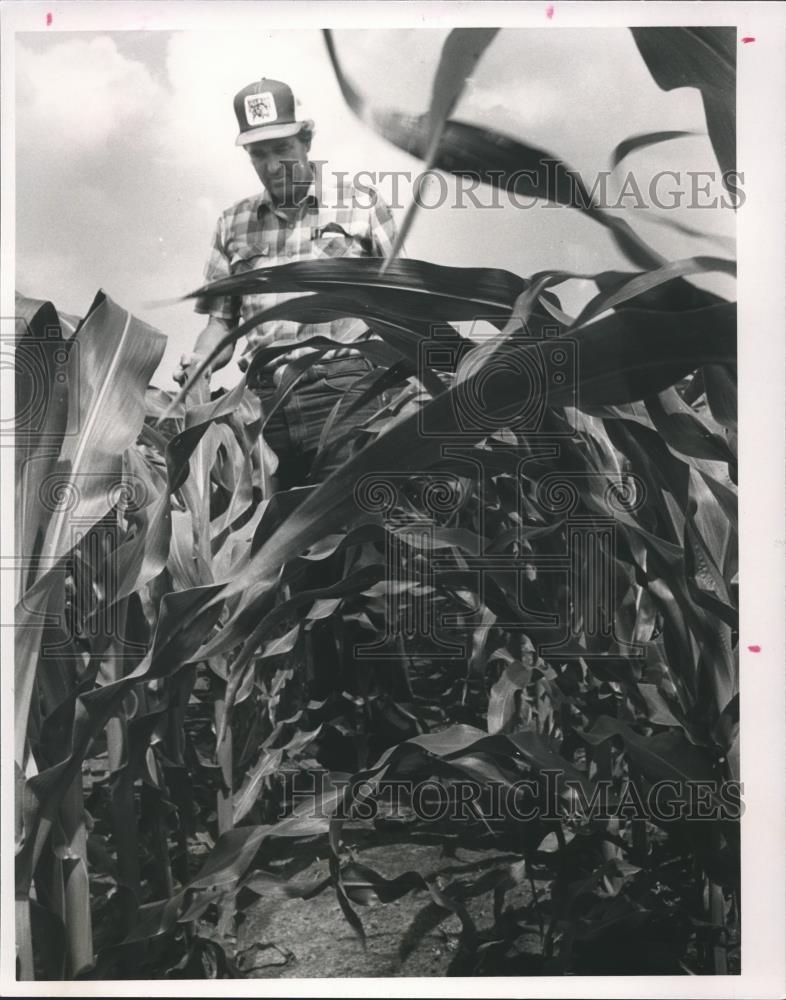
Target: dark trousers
[297, 433]
[295, 430]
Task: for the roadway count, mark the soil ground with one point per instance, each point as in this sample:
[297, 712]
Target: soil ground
[311, 938]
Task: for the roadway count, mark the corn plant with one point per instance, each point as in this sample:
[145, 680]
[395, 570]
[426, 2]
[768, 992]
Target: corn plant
[170, 680]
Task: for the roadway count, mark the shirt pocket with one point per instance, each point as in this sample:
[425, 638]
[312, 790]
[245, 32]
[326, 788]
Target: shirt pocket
[333, 240]
[249, 257]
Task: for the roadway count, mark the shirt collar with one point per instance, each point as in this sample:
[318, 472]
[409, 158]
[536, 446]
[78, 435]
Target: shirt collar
[266, 202]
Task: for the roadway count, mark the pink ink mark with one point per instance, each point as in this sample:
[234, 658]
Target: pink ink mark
[747, 39]
[755, 649]
[550, 11]
[48, 20]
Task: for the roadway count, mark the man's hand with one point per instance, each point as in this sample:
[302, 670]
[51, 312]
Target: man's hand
[189, 361]
[207, 341]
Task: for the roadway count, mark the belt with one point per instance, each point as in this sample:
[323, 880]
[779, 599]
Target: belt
[329, 364]
[336, 354]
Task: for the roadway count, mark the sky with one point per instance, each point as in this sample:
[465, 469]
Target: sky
[126, 155]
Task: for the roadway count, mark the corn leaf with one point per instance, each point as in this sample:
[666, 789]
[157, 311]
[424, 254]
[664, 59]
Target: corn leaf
[460, 53]
[700, 57]
[643, 141]
[108, 375]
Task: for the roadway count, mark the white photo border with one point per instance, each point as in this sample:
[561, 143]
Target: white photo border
[761, 222]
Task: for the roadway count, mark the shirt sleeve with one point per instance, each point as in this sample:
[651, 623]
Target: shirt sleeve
[382, 227]
[217, 266]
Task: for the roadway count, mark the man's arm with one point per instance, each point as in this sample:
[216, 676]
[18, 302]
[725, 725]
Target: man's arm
[210, 337]
[208, 340]
[222, 313]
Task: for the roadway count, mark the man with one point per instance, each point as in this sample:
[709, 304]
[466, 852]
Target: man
[295, 217]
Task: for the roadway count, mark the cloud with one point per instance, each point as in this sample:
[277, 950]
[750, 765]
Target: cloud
[574, 92]
[126, 158]
[79, 92]
[126, 155]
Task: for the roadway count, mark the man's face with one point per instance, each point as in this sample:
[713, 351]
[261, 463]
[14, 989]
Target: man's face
[281, 165]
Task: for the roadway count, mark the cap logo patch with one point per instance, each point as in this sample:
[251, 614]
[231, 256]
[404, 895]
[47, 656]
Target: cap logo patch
[260, 109]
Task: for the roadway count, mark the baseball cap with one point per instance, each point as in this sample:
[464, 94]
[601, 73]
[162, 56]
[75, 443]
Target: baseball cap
[266, 110]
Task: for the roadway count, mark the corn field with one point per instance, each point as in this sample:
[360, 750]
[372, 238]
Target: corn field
[178, 686]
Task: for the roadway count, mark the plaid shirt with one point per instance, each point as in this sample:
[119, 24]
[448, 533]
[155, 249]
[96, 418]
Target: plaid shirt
[253, 233]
